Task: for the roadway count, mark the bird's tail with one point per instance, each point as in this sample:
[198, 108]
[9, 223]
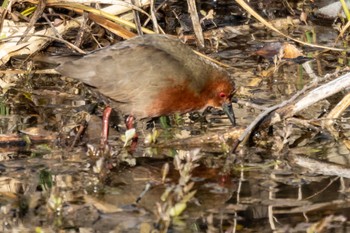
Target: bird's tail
[53, 60]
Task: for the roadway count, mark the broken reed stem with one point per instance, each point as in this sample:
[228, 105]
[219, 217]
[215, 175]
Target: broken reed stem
[195, 22]
[137, 17]
[292, 106]
[154, 18]
[322, 92]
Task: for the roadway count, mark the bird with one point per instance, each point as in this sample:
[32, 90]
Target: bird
[153, 75]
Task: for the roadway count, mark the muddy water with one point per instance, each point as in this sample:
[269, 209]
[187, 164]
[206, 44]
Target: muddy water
[49, 186]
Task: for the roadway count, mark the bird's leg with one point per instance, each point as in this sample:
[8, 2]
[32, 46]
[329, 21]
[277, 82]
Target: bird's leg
[130, 124]
[105, 126]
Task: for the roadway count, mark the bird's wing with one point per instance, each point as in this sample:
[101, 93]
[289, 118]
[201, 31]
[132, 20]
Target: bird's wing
[123, 71]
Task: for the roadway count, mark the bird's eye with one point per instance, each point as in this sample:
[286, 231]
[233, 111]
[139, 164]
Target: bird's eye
[222, 95]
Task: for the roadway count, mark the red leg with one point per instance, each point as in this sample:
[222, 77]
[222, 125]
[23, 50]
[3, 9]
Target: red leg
[130, 123]
[105, 126]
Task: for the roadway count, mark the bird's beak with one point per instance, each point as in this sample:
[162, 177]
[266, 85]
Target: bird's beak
[227, 107]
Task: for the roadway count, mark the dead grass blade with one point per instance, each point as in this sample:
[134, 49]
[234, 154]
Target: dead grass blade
[80, 7]
[111, 26]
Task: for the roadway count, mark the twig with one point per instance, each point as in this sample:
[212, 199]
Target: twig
[52, 27]
[37, 14]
